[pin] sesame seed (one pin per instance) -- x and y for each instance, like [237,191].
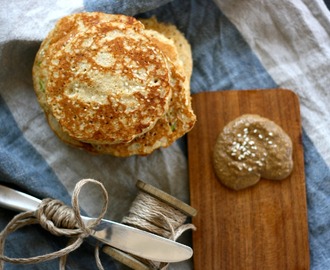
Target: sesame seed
[260,136]
[259,163]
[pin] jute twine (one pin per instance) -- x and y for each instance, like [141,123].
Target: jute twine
[153,215]
[60,220]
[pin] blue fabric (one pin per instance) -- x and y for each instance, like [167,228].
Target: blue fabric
[123,7]
[318,190]
[327,2]
[21,165]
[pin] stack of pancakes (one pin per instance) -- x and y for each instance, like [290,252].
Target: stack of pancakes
[115,85]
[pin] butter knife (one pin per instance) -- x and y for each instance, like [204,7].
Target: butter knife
[128,239]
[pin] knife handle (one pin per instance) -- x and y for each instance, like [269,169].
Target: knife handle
[124,258]
[167,198]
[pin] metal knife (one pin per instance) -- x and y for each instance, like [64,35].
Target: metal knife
[134,241]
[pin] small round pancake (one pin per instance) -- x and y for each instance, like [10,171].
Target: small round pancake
[251,147]
[105,82]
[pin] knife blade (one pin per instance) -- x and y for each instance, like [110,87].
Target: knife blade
[128,239]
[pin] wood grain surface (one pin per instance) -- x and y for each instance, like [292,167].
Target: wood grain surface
[263,227]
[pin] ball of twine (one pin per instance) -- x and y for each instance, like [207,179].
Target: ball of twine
[159,213]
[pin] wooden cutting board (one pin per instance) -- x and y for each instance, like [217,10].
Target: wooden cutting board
[263,227]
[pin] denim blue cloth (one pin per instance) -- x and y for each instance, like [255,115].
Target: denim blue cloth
[222,60]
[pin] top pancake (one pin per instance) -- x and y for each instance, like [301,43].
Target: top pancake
[102,78]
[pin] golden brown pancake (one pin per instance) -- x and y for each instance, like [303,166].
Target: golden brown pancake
[178,117]
[106,82]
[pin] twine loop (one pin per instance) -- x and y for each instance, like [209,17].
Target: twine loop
[60,220]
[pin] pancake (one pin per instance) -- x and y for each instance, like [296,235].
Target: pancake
[65,29]
[63,53]
[103,81]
